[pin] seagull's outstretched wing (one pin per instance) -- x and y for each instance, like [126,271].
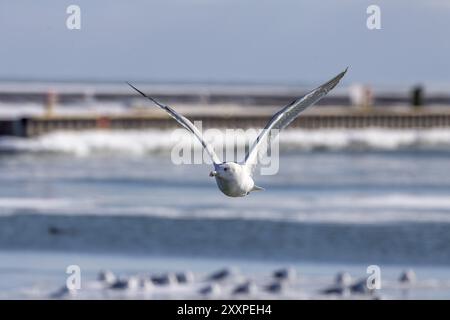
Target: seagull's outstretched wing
[285,116]
[186,123]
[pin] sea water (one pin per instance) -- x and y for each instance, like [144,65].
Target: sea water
[341,201]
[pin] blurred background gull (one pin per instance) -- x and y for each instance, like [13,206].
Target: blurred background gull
[86,176]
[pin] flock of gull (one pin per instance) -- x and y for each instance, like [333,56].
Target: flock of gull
[227,283]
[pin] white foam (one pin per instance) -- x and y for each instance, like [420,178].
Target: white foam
[90,142]
[369,138]
[149,141]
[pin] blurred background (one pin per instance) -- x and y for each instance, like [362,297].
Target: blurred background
[87,178]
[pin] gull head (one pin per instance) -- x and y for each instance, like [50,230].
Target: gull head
[227,171]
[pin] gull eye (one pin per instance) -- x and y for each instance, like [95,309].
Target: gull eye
[225,169]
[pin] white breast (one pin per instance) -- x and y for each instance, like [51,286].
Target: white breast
[239,187]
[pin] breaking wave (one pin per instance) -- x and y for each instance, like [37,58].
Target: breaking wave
[152,141]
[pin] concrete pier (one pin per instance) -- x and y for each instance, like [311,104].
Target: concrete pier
[114,106]
[33,126]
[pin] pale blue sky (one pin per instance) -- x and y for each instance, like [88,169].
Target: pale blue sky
[287,41]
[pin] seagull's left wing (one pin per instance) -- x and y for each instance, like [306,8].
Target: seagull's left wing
[186,123]
[286,115]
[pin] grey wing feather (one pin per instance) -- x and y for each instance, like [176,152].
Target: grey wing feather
[185,122]
[285,116]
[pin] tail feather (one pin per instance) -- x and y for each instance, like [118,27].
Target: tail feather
[256,188]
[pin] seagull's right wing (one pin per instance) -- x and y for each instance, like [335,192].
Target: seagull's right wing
[285,116]
[186,123]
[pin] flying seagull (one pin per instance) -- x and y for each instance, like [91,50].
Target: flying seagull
[235,179]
